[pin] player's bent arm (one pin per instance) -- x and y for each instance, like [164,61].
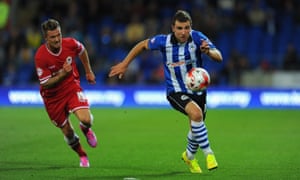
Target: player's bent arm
[85,61]
[51,82]
[215,55]
[90,76]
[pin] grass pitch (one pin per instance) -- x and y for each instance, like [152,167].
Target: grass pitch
[147,144]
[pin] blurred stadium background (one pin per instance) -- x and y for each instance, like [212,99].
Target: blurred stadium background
[260,42]
[259,39]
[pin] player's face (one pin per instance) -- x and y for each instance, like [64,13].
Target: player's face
[53,39]
[182,31]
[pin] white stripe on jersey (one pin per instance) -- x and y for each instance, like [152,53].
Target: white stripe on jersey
[192,49]
[183,69]
[80,45]
[169,60]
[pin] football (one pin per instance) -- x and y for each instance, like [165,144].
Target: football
[197,79]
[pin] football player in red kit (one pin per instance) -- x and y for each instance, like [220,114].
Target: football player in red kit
[60,85]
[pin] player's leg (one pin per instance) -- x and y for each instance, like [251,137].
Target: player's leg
[86,120]
[78,104]
[58,112]
[198,129]
[179,101]
[186,105]
[198,134]
[72,140]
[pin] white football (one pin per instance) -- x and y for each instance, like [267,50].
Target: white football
[197,79]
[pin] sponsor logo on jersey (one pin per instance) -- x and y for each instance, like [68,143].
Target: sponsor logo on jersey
[184,97]
[180,63]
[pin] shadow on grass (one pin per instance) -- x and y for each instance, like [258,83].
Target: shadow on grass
[50,171]
[27,166]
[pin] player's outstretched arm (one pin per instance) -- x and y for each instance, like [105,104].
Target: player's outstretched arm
[120,69]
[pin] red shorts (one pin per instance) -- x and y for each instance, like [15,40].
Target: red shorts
[60,106]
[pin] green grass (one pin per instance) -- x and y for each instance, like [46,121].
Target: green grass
[147,144]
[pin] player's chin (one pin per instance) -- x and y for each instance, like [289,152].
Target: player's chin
[56,45]
[183,39]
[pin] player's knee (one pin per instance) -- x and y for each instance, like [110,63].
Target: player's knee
[72,140]
[67,130]
[86,119]
[194,111]
[196,116]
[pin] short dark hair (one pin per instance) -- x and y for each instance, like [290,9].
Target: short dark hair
[181,16]
[49,25]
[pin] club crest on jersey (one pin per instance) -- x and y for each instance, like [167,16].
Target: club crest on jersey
[69,59]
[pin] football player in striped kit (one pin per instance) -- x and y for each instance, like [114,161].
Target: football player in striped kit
[182,50]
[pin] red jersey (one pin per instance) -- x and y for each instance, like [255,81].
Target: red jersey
[48,64]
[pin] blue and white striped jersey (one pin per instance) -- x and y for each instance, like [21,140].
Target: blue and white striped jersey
[179,58]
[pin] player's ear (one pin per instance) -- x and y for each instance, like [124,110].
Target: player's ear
[173,28]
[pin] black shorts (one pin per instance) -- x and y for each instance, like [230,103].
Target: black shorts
[179,100]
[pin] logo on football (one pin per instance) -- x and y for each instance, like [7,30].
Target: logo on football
[197,79]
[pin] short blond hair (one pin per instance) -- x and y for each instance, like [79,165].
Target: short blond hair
[49,25]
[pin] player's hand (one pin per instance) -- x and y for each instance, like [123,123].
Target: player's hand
[67,67]
[90,77]
[204,47]
[118,69]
